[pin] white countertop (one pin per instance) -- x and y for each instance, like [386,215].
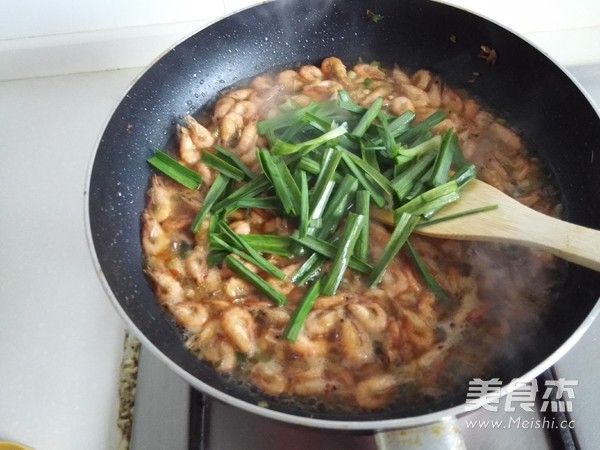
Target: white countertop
[60,339]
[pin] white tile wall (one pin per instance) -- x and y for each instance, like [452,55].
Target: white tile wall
[41,38]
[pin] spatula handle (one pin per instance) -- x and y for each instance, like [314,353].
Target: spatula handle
[572,242]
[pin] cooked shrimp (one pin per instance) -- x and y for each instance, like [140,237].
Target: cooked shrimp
[262,82]
[230,129]
[418,332]
[248,138]
[161,199]
[238,325]
[240,227]
[508,137]
[308,347]
[246,109]
[310,73]
[222,107]
[327,302]
[322,322]
[290,80]
[196,265]
[375,392]
[322,90]
[240,94]
[356,346]
[400,104]
[400,76]
[310,382]
[236,288]
[368,71]
[206,173]
[417,96]
[333,67]
[171,291]
[276,317]
[190,315]
[269,377]
[382,92]
[370,315]
[422,79]
[187,150]
[435,93]
[452,101]
[154,238]
[201,137]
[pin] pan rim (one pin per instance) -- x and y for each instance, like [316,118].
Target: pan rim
[392,423]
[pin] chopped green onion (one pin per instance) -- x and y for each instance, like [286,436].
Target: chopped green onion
[414,134]
[352,230]
[404,227]
[457,215]
[266,243]
[175,170]
[464,175]
[424,200]
[386,136]
[251,189]
[234,160]
[367,119]
[220,165]
[285,187]
[250,203]
[443,160]
[345,102]
[361,250]
[294,326]
[257,259]
[215,192]
[370,186]
[308,269]
[246,274]
[329,163]
[422,148]
[401,123]
[340,202]
[284,148]
[427,276]
[403,183]
[377,177]
[304,205]
[328,250]
[316,216]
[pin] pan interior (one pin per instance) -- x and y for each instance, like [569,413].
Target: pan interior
[523,86]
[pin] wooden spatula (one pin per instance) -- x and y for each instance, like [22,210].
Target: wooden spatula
[511,222]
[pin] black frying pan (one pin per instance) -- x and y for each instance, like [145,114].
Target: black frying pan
[524,86]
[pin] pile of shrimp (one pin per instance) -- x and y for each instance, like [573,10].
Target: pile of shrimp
[359,347]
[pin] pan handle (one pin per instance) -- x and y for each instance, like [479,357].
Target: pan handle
[443,435]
